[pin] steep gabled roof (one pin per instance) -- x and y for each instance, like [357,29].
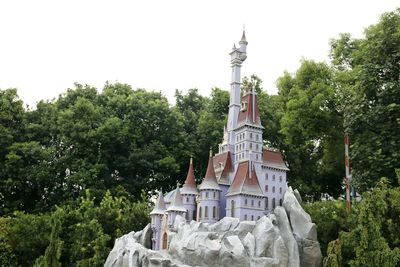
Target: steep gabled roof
[223,159]
[190,187]
[177,202]
[210,180]
[244,183]
[274,159]
[159,208]
[246,114]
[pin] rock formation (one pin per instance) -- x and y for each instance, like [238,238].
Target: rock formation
[287,237]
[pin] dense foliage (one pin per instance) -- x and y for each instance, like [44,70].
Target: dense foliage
[122,145]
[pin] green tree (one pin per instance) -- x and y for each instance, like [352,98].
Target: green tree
[368,71]
[373,237]
[312,126]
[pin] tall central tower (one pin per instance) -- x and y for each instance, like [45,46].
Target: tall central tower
[238,55]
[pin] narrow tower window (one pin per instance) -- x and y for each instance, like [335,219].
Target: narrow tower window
[232,208]
[206,212]
[214,212]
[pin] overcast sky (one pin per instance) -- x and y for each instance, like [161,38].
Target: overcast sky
[46,46]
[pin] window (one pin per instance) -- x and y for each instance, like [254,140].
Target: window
[280,202]
[280,190]
[266,188]
[206,212]
[259,203]
[256,156]
[266,203]
[194,214]
[258,217]
[245,201]
[257,137]
[251,146]
[256,147]
[232,208]
[273,177]
[187,199]
[252,217]
[280,179]
[252,202]
[273,189]
[200,213]
[251,136]
[245,217]
[214,194]
[266,177]
[187,215]
[206,194]
[273,203]
[214,213]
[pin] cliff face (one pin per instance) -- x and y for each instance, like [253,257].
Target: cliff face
[285,238]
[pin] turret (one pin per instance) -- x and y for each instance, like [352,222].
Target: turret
[208,207]
[243,45]
[176,208]
[156,216]
[189,193]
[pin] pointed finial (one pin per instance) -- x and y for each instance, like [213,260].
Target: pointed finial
[234,46]
[210,152]
[191,160]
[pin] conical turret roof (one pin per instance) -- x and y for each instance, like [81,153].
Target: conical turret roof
[210,180]
[159,208]
[243,40]
[190,187]
[177,202]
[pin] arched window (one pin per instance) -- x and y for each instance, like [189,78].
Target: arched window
[266,203]
[245,217]
[214,212]
[245,201]
[200,213]
[251,146]
[251,135]
[207,194]
[252,202]
[273,203]
[280,190]
[266,188]
[259,203]
[273,189]
[273,177]
[232,208]
[280,202]
[206,212]
[266,177]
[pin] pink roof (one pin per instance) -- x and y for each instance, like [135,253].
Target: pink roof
[244,183]
[210,181]
[225,159]
[246,115]
[189,187]
[274,159]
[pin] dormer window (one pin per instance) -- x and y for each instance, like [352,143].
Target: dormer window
[244,106]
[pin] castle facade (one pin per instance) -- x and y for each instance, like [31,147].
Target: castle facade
[245,179]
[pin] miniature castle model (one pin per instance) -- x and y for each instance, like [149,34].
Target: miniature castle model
[244,179]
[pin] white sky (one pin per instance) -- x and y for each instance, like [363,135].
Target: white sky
[46,46]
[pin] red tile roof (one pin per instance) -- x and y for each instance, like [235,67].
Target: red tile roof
[244,183]
[210,181]
[246,115]
[189,187]
[226,161]
[274,159]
